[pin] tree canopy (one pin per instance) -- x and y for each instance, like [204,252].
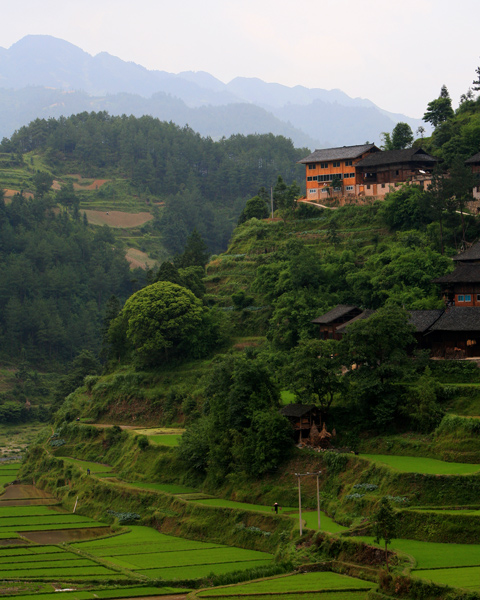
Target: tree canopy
[159,319]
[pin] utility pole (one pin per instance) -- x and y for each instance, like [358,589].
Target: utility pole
[299,475]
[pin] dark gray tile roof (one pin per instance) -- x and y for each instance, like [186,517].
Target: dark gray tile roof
[363,315]
[473,159]
[342,153]
[472,253]
[464,273]
[296,410]
[336,313]
[458,318]
[389,157]
[424,319]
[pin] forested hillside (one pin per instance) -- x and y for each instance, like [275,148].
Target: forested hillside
[202,183]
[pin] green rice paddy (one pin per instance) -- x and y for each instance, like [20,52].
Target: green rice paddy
[155,555]
[85,464]
[427,466]
[464,577]
[326,595]
[305,582]
[105,594]
[165,439]
[169,488]
[310,518]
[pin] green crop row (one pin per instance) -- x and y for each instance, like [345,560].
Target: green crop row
[192,557]
[326,595]
[55,573]
[199,571]
[103,594]
[147,549]
[47,565]
[52,518]
[169,488]
[35,558]
[23,511]
[305,582]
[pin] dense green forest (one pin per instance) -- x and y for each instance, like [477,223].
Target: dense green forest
[204,184]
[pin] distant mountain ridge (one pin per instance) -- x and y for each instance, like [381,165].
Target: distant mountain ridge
[310,117]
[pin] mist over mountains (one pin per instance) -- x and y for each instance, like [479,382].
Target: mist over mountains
[42,76]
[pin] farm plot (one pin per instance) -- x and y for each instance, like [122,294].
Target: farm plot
[462,577]
[85,464]
[430,555]
[326,595]
[156,555]
[169,488]
[165,439]
[427,466]
[306,582]
[106,594]
[48,562]
[309,517]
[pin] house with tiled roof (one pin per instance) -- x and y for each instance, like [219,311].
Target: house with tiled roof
[452,332]
[364,171]
[332,170]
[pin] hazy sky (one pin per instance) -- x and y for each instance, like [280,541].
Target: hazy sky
[397,53]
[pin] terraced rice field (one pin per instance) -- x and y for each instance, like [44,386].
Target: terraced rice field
[305,582]
[105,594]
[310,518]
[427,466]
[462,577]
[85,464]
[49,562]
[165,439]
[169,488]
[325,595]
[152,554]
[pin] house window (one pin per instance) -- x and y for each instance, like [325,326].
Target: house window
[309,178]
[397,172]
[468,298]
[312,165]
[478,297]
[336,163]
[348,163]
[461,298]
[349,188]
[324,165]
[383,185]
[312,191]
[368,186]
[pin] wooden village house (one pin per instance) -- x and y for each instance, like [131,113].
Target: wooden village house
[452,332]
[364,171]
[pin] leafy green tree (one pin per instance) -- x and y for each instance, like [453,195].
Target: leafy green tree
[241,430]
[440,109]
[376,348]
[315,372]
[67,197]
[42,182]
[195,253]
[168,272]
[402,136]
[421,406]
[385,525]
[256,208]
[159,320]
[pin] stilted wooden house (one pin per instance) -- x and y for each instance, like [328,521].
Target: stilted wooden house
[302,418]
[331,320]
